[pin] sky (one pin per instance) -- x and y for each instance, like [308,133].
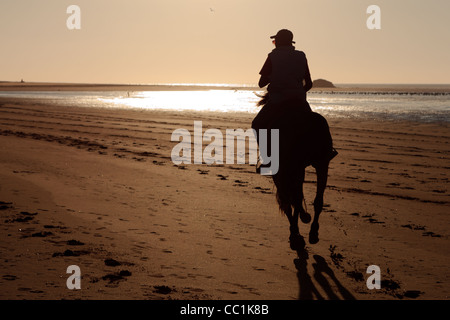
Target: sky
[222,41]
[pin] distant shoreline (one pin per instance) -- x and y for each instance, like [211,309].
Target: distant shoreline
[340,88]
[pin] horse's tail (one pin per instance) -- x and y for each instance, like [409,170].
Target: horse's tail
[283,201]
[264,99]
[289,184]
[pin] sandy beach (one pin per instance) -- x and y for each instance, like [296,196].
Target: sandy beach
[97,188]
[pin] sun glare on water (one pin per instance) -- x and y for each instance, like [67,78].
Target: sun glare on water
[201,100]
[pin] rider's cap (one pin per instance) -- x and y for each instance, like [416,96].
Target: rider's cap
[283,36]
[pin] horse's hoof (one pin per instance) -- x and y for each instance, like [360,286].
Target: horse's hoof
[296,242]
[305,217]
[314,233]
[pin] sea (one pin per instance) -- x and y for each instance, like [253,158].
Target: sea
[418,103]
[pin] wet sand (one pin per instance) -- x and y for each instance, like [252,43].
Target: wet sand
[98,189]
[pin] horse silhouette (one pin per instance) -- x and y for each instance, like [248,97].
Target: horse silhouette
[304,140]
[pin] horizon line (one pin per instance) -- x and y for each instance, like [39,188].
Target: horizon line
[200,84]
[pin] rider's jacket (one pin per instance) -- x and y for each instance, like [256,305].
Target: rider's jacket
[286,69]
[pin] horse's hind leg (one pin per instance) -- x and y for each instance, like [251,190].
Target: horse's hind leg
[284,196]
[322,176]
[298,197]
[296,241]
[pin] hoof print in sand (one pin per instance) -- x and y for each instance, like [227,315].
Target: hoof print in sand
[74,243]
[70,253]
[240,183]
[9,277]
[263,190]
[24,217]
[412,294]
[112,263]
[163,289]
[5,205]
[42,234]
[114,277]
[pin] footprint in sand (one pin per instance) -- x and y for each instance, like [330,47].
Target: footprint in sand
[42,234]
[49,226]
[114,277]
[369,217]
[422,228]
[70,253]
[9,277]
[24,217]
[355,275]
[431,234]
[263,190]
[74,243]
[163,289]
[5,205]
[239,183]
[413,227]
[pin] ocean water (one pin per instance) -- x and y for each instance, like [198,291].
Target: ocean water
[385,106]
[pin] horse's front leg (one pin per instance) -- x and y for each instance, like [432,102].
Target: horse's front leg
[322,177]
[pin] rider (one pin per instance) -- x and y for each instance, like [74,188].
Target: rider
[287,74]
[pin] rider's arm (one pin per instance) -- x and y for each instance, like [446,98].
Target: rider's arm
[265,72]
[307,79]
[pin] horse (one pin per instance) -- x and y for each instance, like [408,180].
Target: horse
[304,140]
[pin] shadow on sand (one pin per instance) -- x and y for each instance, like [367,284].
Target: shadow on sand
[322,272]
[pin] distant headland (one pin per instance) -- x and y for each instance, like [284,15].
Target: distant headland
[322,83]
